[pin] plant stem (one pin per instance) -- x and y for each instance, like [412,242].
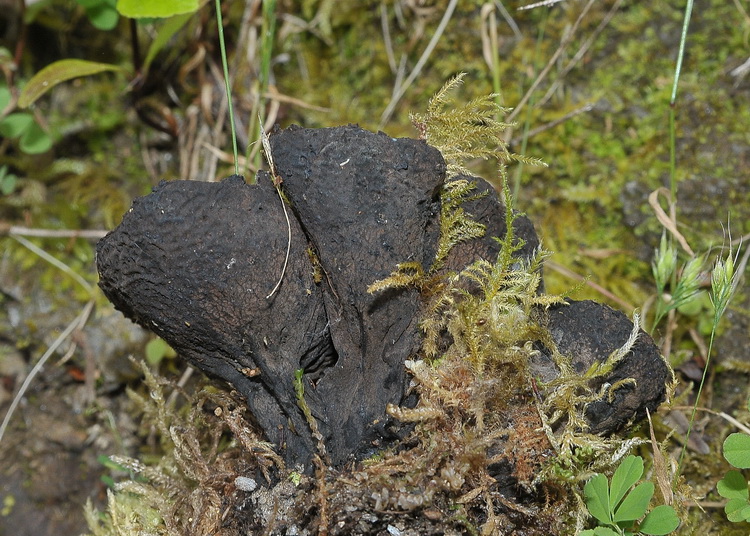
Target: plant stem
[230,108]
[673,101]
[673,191]
[697,400]
[527,120]
[268,31]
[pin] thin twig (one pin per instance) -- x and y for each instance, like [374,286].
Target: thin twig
[182,382]
[544,3]
[227,158]
[581,52]
[273,94]
[277,183]
[420,64]
[669,223]
[721,414]
[533,132]
[54,262]
[509,19]
[60,339]
[387,37]
[74,344]
[89,234]
[600,289]
[288,245]
[565,42]
[148,161]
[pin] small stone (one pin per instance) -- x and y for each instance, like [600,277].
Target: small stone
[245,484]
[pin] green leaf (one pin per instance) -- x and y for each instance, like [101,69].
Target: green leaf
[745,512]
[626,475]
[733,486]
[604,531]
[596,492]
[13,125]
[58,72]
[635,504]
[138,9]
[35,140]
[598,531]
[737,450]
[4,97]
[103,15]
[170,27]
[659,521]
[735,510]
[156,350]
[7,181]
[107,462]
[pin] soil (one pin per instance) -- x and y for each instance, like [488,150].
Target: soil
[50,457]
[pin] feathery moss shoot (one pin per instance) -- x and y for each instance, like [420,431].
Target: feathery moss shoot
[478,400]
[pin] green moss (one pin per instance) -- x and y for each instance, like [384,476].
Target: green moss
[180,489]
[476,392]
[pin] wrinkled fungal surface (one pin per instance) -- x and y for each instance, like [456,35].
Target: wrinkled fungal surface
[195,262]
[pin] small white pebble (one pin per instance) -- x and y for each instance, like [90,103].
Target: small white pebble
[245,484]
[393,530]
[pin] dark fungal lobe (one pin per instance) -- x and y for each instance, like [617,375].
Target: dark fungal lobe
[195,262]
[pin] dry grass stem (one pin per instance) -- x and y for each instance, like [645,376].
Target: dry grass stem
[669,223]
[567,272]
[533,132]
[226,158]
[88,234]
[544,3]
[585,46]
[401,89]
[274,95]
[75,324]
[552,61]
[277,183]
[387,37]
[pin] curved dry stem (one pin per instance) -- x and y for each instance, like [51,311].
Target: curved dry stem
[277,183]
[77,323]
[420,64]
[552,61]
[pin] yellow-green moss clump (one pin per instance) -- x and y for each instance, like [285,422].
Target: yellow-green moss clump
[480,409]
